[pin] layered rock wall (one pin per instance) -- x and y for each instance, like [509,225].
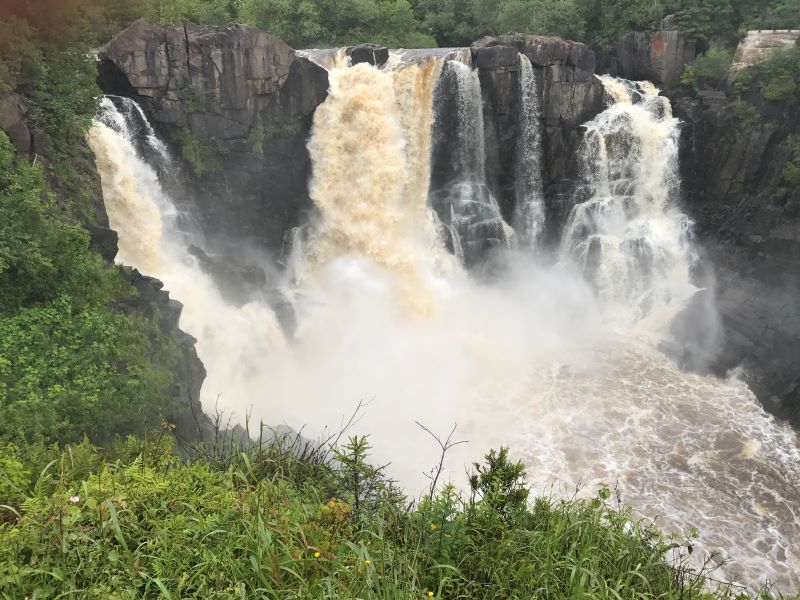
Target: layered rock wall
[758,44]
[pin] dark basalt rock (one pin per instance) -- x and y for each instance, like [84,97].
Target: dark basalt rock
[569,95]
[368,53]
[12,121]
[656,55]
[152,301]
[748,219]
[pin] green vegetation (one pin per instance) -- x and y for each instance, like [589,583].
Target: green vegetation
[778,75]
[70,365]
[280,520]
[203,156]
[708,70]
[791,170]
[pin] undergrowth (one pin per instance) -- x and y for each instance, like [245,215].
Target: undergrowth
[284,518]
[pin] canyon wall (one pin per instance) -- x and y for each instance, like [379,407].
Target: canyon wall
[747,214]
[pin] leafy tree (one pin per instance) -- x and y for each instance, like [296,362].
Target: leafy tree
[450,22]
[320,23]
[706,19]
[543,17]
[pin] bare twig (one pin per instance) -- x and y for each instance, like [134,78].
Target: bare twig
[445,445]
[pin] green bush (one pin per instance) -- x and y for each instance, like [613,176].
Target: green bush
[42,254]
[708,70]
[66,373]
[791,170]
[202,156]
[778,75]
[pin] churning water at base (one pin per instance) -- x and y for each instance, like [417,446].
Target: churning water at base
[539,360]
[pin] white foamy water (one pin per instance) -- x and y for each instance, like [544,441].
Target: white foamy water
[557,362]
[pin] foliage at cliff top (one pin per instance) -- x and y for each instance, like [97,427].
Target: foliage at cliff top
[398,23]
[279,520]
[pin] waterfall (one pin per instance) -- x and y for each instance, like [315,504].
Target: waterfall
[529,218]
[628,238]
[371,152]
[469,217]
[231,341]
[560,363]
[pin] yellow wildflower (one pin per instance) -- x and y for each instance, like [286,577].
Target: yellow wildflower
[316,554]
[430,594]
[434,526]
[368,562]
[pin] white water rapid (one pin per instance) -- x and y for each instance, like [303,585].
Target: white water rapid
[559,363]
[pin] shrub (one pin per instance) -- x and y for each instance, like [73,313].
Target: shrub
[778,74]
[708,70]
[202,156]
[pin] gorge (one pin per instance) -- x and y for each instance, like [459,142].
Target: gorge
[495,237]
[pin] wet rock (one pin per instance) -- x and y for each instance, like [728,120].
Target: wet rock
[569,95]
[747,217]
[368,53]
[152,301]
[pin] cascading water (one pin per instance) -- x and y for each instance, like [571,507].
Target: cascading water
[539,359]
[529,217]
[469,216]
[230,340]
[628,238]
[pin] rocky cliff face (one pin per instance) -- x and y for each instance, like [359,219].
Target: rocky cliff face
[748,219]
[570,95]
[237,103]
[655,55]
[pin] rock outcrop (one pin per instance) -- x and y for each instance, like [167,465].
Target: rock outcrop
[569,95]
[747,216]
[758,44]
[237,103]
[368,53]
[655,55]
[13,122]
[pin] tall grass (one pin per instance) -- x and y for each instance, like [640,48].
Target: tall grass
[286,519]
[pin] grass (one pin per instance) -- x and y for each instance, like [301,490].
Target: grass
[278,519]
